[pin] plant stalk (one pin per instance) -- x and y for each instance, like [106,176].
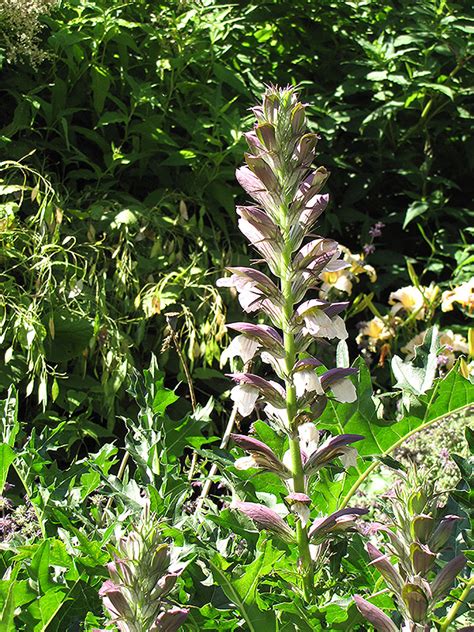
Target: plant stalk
[299,484]
[451,616]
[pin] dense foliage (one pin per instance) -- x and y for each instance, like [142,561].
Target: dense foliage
[120,132]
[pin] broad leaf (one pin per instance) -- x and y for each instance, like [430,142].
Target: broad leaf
[417,376]
[449,395]
[243,590]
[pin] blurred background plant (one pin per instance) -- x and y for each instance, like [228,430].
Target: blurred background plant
[20,30]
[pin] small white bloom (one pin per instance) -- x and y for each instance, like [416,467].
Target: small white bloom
[307,382]
[279,416]
[309,438]
[302,511]
[245,463]
[249,299]
[241,346]
[317,323]
[277,364]
[349,458]
[245,396]
[344,391]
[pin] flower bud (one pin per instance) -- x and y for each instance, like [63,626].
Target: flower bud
[305,149]
[298,118]
[416,602]
[341,520]
[266,135]
[260,456]
[443,532]
[266,518]
[422,558]
[417,501]
[387,570]
[114,600]
[422,527]
[271,106]
[263,171]
[170,620]
[375,616]
[444,579]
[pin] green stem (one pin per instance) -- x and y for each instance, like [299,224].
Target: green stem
[299,484]
[450,617]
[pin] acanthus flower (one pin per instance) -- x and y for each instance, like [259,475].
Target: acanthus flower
[261,456]
[256,291]
[321,320]
[280,179]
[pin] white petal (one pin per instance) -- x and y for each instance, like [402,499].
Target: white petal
[309,437]
[340,328]
[307,382]
[336,264]
[318,323]
[279,416]
[245,396]
[245,463]
[286,460]
[277,364]
[249,300]
[241,346]
[302,511]
[349,458]
[344,391]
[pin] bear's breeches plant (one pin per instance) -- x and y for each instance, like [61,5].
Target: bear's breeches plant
[285,190]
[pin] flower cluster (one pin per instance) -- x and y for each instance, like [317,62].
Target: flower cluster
[374,233]
[462,294]
[416,539]
[20,28]
[142,575]
[411,306]
[286,203]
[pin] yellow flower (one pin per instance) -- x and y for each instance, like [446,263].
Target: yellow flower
[463,294]
[376,331]
[342,280]
[413,299]
[339,279]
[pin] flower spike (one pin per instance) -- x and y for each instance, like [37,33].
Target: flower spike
[286,202]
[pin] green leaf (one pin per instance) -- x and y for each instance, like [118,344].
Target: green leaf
[438,87]
[39,567]
[49,605]
[71,336]
[100,86]
[451,394]
[7,456]
[242,591]
[418,375]
[415,209]
[14,593]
